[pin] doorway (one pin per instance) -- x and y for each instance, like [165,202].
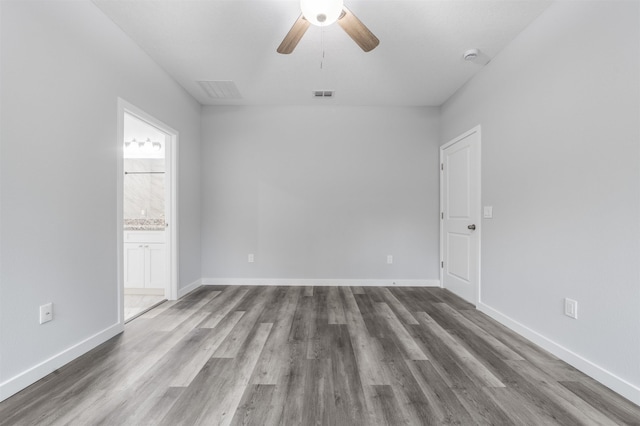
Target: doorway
[147,263]
[460,205]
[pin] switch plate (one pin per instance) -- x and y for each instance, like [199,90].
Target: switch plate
[251,258]
[571,308]
[46,313]
[488,212]
[389,259]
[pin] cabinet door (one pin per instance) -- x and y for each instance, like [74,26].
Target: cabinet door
[156,270]
[134,265]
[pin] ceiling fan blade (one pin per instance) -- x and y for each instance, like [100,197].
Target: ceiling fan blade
[357,30]
[293,36]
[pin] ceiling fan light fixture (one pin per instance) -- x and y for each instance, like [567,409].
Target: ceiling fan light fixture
[321,12]
[322,17]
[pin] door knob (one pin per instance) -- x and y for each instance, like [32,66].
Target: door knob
[472,227]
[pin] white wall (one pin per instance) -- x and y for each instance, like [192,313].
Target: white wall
[560,116]
[320,193]
[64,64]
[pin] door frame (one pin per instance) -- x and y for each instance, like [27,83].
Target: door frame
[171,200]
[477,202]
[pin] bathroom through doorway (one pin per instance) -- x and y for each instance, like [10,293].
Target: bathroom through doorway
[147,194]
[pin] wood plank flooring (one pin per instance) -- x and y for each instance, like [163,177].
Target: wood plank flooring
[317,356]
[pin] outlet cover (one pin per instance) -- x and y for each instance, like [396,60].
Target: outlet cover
[389,259]
[571,308]
[251,258]
[46,313]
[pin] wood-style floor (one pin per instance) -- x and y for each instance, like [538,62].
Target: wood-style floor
[317,355]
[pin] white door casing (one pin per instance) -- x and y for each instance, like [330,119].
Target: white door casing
[460,206]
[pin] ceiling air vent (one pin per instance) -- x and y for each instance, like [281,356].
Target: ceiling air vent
[323,93]
[221,89]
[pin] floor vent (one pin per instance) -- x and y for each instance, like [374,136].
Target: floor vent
[221,89]
[323,93]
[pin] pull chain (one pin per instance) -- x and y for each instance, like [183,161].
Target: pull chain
[322,46]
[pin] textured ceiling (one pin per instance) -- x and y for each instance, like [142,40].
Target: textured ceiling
[418,62]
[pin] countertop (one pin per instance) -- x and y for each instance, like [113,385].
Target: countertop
[144,225]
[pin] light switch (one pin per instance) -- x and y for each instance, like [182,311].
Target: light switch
[571,308]
[488,212]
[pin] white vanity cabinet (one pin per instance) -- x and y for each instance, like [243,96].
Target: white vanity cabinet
[144,260]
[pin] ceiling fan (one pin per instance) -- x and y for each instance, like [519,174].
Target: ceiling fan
[323,13]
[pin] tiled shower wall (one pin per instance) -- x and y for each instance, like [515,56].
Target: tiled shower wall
[144,193]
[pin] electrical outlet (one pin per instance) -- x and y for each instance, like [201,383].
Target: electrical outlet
[389,259]
[46,313]
[571,308]
[251,258]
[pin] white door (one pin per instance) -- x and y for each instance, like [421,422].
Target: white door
[460,215]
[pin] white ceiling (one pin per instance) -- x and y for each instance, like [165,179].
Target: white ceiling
[418,62]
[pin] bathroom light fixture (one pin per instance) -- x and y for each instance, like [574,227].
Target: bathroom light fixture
[147,146]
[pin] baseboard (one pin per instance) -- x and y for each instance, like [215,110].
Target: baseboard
[189,288]
[33,374]
[613,382]
[321,282]
[145,291]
